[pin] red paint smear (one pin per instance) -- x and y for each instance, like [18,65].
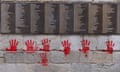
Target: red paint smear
[66,44]
[44,60]
[85,47]
[13,45]
[30,46]
[109,45]
[46,45]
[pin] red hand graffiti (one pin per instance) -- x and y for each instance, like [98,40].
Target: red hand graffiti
[109,45]
[30,46]
[13,45]
[44,60]
[66,44]
[85,47]
[46,45]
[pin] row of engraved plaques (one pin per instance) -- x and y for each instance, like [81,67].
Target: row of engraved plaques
[59,18]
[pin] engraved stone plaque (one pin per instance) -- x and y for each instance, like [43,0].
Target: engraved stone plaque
[66,18]
[109,18]
[37,18]
[95,18]
[0,17]
[22,18]
[118,18]
[51,18]
[81,18]
[7,17]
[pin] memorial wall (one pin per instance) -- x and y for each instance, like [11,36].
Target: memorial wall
[59,18]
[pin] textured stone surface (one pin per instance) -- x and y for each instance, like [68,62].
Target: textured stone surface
[76,61]
[102,57]
[49,68]
[73,57]
[116,40]
[101,43]
[14,57]
[57,57]
[81,67]
[31,58]
[84,59]
[116,57]
[105,0]
[105,67]
[2,60]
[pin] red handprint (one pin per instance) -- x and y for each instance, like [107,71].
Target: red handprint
[30,46]
[13,45]
[109,45]
[66,44]
[44,60]
[85,47]
[46,45]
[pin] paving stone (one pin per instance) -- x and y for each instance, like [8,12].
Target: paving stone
[14,57]
[29,67]
[102,57]
[53,68]
[3,67]
[105,0]
[105,68]
[10,57]
[81,0]
[73,57]
[2,53]
[57,57]
[116,57]
[31,58]
[81,67]
[2,60]
[14,68]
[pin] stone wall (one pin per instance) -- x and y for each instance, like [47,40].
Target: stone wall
[98,58]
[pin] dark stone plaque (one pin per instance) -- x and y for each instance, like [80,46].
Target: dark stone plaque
[109,18]
[0,17]
[81,18]
[66,18]
[7,17]
[23,18]
[51,18]
[95,18]
[118,18]
[37,18]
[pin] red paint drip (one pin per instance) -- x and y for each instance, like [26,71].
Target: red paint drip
[46,45]
[66,44]
[109,45]
[44,60]
[13,45]
[85,47]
